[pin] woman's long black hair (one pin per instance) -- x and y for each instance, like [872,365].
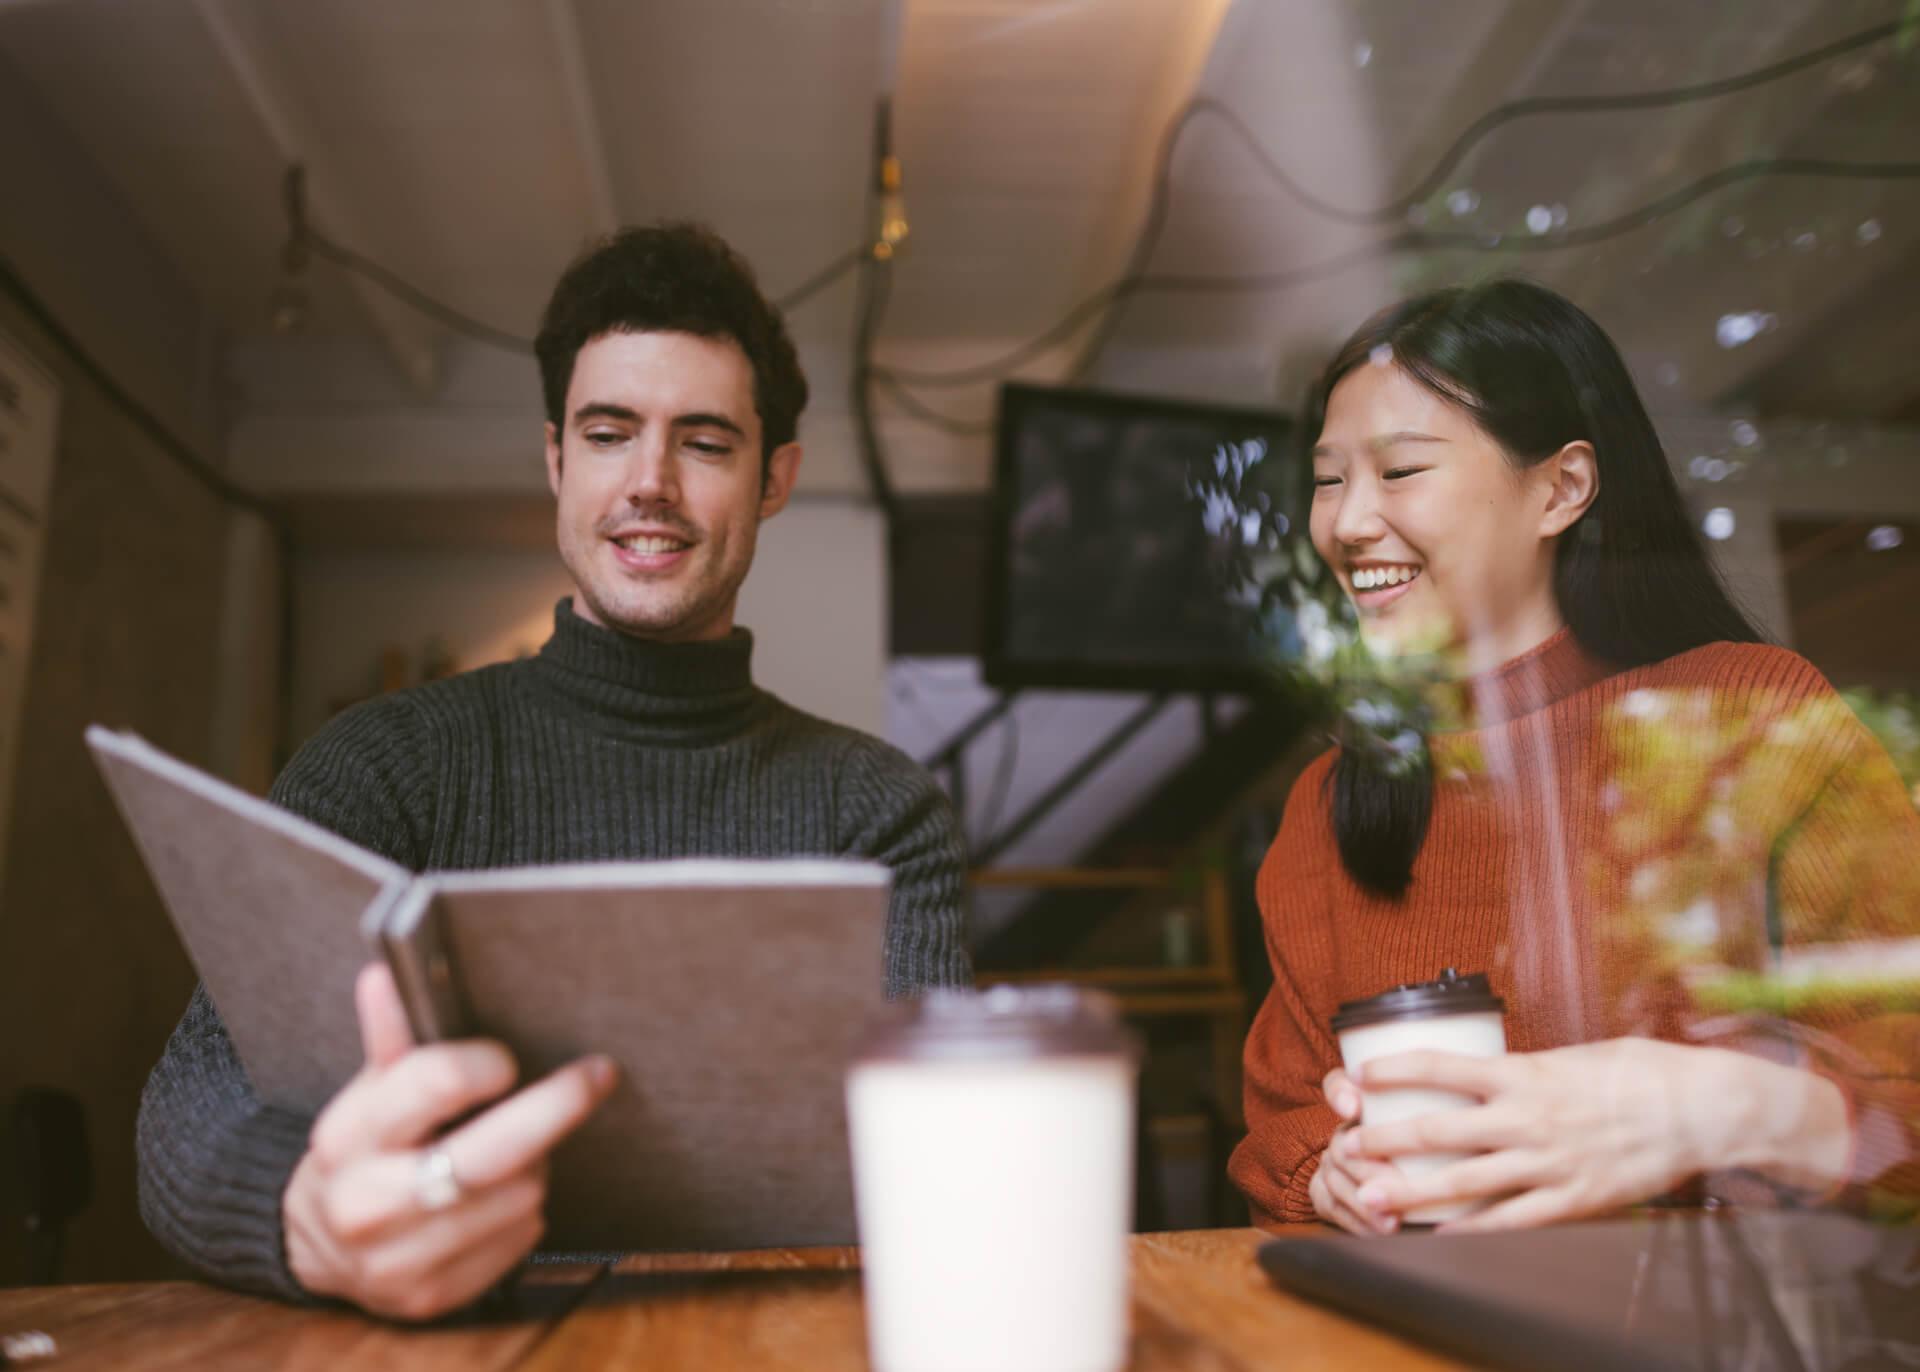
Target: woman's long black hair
[1631,577]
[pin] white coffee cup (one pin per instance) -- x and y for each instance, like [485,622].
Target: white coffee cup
[1452,1014]
[993,1181]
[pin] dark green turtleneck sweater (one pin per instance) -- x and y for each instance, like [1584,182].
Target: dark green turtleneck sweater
[602,747]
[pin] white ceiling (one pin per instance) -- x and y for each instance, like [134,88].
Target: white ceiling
[473,145]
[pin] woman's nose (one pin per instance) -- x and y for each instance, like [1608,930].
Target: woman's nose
[1357,520]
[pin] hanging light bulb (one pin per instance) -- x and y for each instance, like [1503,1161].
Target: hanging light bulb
[890,227]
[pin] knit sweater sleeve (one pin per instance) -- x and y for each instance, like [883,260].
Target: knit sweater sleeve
[213,1159]
[1289,1049]
[887,808]
[1845,888]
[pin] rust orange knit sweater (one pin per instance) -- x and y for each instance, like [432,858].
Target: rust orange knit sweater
[1705,849]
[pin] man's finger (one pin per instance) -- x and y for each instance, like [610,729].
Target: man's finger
[1441,1071]
[411,1099]
[469,1275]
[447,1259]
[375,1204]
[385,1035]
[524,1128]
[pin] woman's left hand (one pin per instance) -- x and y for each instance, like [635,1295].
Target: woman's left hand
[1577,1131]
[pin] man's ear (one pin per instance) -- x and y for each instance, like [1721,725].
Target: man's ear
[554,460]
[1575,473]
[783,469]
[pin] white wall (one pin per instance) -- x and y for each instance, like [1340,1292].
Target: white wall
[815,600]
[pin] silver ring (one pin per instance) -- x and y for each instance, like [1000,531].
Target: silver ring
[435,1187]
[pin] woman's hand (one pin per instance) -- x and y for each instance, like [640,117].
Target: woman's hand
[1577,1131]
[1336,1183]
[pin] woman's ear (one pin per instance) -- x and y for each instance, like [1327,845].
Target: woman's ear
[1575,475]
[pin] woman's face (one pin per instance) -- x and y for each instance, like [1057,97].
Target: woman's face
[1439,540]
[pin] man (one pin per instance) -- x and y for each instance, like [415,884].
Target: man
[672,398]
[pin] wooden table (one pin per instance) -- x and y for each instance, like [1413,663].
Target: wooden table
[1199,1302]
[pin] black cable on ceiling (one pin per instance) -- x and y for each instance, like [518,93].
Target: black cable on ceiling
[1160,198]
[1412,240]
[875,290]
[402,289]
[1134,279]
[918,409]
[1515,110]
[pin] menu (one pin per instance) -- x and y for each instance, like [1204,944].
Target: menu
[29,411]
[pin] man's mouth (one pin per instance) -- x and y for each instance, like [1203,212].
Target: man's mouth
[652,544]
[650,550]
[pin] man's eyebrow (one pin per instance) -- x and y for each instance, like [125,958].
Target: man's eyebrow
[705,419]
[601,409]
[698,419]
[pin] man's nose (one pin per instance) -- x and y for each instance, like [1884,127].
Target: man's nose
[653,475]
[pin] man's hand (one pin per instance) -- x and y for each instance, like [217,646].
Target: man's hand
[1336,1183]
[1579,1131]
[358,1226]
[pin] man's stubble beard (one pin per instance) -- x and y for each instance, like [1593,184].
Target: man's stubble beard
[660,612]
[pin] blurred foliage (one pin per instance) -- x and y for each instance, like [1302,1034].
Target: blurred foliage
[1893,717]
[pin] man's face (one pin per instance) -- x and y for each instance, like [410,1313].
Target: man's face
[658,477]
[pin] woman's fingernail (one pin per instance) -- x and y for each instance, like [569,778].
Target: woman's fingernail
[1348,1103]
[602,1071]
[1373,1196]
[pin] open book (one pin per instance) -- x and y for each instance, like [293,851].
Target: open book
[729,991]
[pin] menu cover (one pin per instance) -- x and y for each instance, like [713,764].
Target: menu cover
[729,991]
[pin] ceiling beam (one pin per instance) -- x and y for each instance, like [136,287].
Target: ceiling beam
[583,112]
[408,339]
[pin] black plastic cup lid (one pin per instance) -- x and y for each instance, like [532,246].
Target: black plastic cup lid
[1448,994]
[1001,1024]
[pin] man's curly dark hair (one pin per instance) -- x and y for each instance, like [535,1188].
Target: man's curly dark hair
[672,278]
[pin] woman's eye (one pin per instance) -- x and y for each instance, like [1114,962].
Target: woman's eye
[1397,472]
[1320,483]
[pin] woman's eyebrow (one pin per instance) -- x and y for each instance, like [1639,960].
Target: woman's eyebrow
[1380,441]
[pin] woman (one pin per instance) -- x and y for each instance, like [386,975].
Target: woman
[1646,824]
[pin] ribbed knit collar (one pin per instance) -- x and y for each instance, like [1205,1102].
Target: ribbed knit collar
[1558,668]
[694,691]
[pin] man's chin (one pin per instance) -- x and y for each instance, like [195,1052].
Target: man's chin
[672,621]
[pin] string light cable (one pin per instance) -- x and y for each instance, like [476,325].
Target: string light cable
[304,237]
[1105,300]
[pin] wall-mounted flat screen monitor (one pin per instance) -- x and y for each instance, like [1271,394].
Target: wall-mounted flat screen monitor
[1120,533]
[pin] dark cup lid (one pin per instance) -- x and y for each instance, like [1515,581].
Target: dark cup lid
[1448,994]
[1000,1024]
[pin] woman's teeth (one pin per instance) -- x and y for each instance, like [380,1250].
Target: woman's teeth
[645,544]
[1378,578]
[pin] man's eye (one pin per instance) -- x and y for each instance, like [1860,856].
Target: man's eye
[709,448]
[604,438]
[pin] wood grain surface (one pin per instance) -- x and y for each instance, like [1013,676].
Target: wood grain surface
[1200,1304]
